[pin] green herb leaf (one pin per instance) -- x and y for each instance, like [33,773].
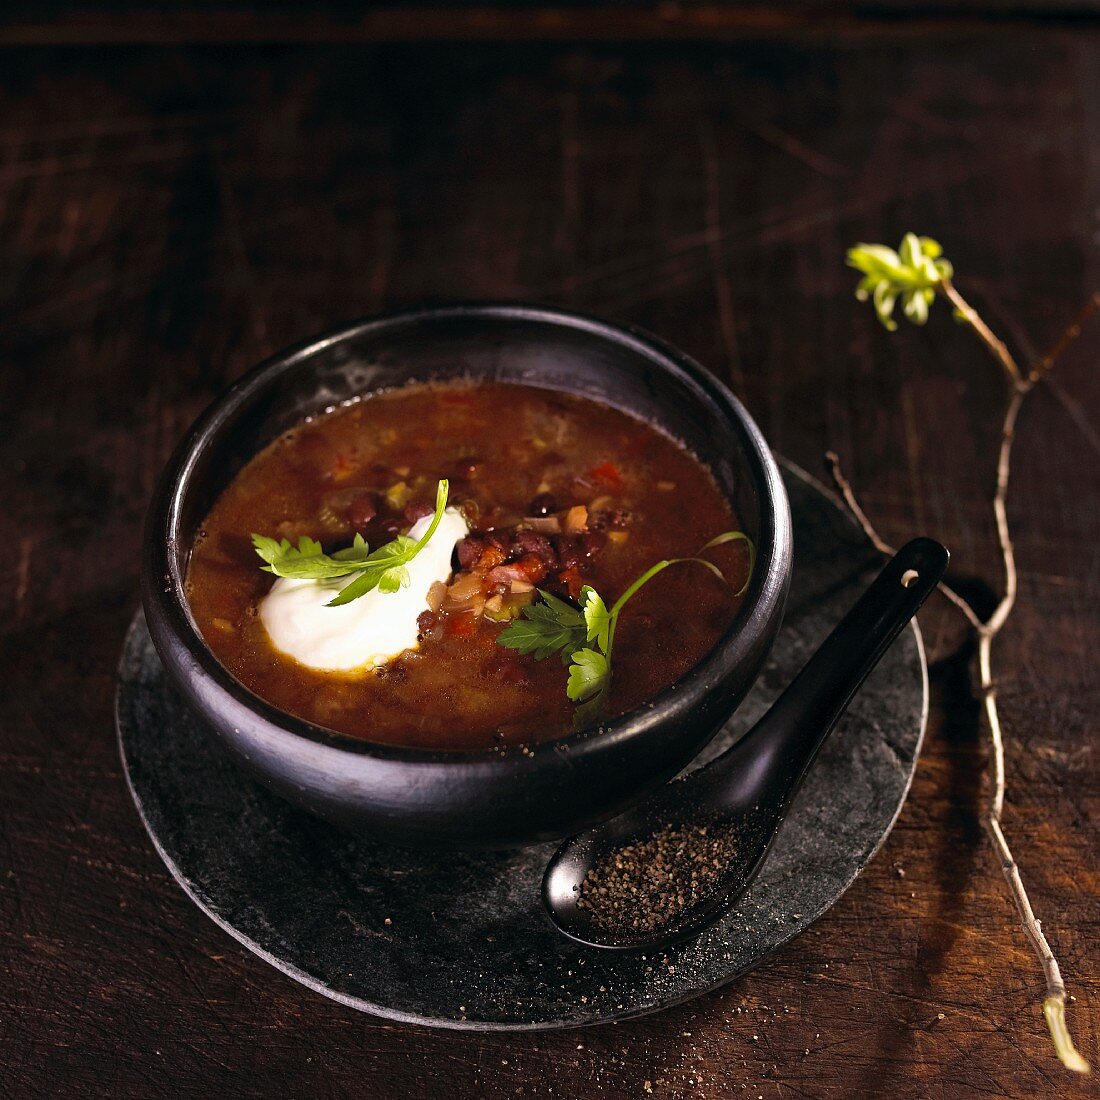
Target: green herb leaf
[357,551]
[385,569]
[308,561]
[543,629]
[596,617]
[558,610]
[913,274]
[735,536]
[589,673]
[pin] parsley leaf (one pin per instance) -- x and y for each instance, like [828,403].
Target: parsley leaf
[588,675]
[308,561]
[546,628]
[385,569]
[596,617]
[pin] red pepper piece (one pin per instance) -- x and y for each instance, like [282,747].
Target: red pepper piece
[608,473]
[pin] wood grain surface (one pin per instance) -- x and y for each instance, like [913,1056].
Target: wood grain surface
[95,22]
[169,216]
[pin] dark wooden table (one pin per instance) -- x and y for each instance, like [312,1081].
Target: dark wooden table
[172,213]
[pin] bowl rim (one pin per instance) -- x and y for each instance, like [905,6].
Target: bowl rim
[764,600]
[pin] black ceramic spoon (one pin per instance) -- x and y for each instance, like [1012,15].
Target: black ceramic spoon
[744,794]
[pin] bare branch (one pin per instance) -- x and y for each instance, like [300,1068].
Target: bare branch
[842,483]
[1055,1000]
[996,346]
[1054,1003]
[1000,512]
[1069,334]
[845,489]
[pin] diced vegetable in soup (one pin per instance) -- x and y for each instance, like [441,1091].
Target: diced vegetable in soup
[467,566]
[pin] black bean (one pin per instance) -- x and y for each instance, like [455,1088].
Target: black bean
[569,555]
[531,542]
[469,551]
[362,509]
[543,505]
[592,542]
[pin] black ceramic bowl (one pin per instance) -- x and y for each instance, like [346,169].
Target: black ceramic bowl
[470,799]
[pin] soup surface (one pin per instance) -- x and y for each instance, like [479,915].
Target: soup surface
[557,491]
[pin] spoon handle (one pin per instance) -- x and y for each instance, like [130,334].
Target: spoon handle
[789,735]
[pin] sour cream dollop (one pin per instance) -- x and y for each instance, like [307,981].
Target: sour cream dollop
[371,630]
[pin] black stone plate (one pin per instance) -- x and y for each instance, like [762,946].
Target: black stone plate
[460,941]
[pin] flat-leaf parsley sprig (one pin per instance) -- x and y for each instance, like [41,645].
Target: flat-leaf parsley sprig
[384,569]
[584,636]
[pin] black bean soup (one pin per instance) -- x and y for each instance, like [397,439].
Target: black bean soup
[558,492]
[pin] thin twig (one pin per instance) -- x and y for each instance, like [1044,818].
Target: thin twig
[970,315]
[1019,386]
[1069,334]
[880,544]
[1054,1004]
[1000,511]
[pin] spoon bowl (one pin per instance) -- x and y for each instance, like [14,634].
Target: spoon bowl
[741,798]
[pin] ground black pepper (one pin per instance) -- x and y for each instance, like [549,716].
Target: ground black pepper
[643,886]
